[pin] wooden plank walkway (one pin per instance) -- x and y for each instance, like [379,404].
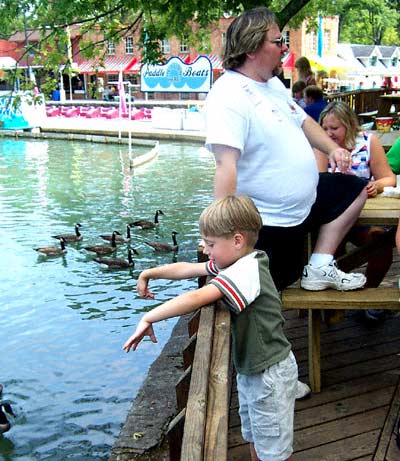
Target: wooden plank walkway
[353,416]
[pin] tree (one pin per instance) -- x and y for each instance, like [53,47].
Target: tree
[156,19]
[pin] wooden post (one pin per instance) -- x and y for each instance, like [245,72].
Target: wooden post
[314,349]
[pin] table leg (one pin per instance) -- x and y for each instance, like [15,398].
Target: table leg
[314,349]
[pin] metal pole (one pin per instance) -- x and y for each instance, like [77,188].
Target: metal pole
[130,122]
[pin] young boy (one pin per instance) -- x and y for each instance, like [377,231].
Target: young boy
[266,367]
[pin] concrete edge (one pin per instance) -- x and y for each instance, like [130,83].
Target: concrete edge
[143,433]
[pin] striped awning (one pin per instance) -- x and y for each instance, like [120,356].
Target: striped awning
[132,64]
[110,65]
[216,61]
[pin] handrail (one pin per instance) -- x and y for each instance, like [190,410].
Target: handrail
[200,431]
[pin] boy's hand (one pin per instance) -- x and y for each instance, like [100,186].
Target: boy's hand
[143,329]
[142,287]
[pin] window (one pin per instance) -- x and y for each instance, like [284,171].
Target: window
[373,60]
[286,36]
[327,40]
[110,47]
[223,39]
[129,45]
[165,46]
[394,61]
[312,41]
[184,47]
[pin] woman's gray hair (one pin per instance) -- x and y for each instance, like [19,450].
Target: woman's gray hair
[245,35]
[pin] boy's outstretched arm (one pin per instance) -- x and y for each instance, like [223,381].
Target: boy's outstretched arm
[182,304]
[176,271]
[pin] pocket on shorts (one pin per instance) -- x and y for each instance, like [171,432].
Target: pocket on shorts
[264,409]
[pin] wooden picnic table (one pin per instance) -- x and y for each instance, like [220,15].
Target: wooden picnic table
[387,139]
[381,211]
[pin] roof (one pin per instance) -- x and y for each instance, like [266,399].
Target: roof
[362,51]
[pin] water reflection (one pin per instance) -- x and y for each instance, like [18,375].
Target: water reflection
[64,319]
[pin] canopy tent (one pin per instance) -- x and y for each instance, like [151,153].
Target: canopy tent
[330,63]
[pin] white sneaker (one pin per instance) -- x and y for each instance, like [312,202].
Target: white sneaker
[303,390]
[330,276]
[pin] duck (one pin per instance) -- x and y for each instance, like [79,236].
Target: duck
[160,246]
[53,251]
[5,412]
[118,237]
[145,224]
[119,263]
[104,249]
[71,237]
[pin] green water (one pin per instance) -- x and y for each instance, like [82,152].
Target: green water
[63,320]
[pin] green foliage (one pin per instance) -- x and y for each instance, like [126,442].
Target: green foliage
[361,21]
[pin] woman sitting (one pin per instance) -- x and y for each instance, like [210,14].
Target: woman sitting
[369,161]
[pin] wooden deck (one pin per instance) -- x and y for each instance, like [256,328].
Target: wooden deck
[353,416]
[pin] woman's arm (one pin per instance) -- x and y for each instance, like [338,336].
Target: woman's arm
[380,169]
[183,304]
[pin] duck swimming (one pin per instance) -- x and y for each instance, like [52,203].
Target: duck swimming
[119,238]
[104,249]
[160,246]
[71,237]
[53,251]
[119,263]
[5,413]
[145,224]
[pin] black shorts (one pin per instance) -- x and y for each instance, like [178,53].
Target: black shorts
[285,245]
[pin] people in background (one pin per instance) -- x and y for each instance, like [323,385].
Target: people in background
[368,161]
[110,92]
[303,67]
[314,100]
[297,93]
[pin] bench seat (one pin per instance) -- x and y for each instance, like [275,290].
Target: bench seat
[315,301]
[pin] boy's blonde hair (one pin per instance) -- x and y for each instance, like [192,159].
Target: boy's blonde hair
[231,214]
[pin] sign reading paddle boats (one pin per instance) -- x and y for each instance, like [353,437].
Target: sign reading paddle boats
[177,76]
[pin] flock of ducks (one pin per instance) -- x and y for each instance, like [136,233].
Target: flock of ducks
[5,413]
[114,239]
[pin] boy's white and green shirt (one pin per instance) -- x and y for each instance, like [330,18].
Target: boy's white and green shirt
[255,305]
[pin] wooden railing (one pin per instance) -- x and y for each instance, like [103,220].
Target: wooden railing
[199,432]
[360,100]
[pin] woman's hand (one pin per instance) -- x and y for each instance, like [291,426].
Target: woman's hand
[372,189]
[143,329]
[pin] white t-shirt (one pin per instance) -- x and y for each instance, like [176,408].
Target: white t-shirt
[277,167]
